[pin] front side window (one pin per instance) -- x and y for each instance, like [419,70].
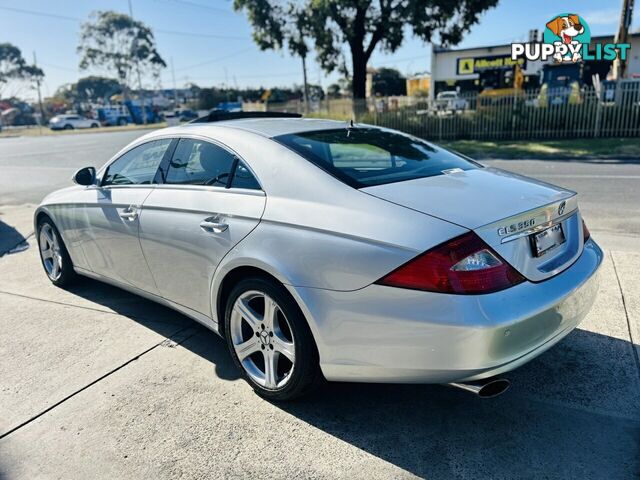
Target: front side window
[138,166]
[196,162]
[363,157]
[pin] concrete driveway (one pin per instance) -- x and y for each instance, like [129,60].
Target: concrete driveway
[98,383]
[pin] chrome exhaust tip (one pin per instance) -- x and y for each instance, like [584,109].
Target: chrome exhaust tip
[484,388]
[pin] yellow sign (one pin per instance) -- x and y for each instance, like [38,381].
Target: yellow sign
[465,66]
[469,66]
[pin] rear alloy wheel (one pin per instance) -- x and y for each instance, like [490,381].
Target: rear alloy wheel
[55,258]
[270,340]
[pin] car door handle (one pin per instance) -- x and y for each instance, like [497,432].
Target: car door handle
[129,213]
[213,225]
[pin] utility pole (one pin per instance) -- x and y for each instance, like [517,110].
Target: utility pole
[175,90]
[140,95]
[306,84]
[619,67]
[35,64]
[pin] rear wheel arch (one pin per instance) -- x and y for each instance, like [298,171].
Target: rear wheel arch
[229,281]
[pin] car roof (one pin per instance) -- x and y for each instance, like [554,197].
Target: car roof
[272,127]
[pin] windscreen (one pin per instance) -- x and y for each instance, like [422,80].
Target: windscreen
[363,157]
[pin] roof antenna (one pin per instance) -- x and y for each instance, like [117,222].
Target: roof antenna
[350,127]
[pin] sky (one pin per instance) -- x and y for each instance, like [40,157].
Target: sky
[210,44]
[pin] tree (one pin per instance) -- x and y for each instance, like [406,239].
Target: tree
[272,33]
[94,88]
[13,67]
[334,91]
[88,89]
[362,25]
[389,81]
[117,43]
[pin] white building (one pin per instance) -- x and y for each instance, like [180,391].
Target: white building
[480,68]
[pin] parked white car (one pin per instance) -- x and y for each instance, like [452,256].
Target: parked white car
[69,122]
[450,101]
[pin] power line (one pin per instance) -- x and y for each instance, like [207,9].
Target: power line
[40,14]
[399,60]
[198,5]
[158,30]
[207,77]
[59,67]
[200,35]
[209,62]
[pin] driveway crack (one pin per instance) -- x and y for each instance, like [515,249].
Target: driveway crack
[188,333]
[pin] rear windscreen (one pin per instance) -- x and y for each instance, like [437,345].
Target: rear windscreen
[363,157]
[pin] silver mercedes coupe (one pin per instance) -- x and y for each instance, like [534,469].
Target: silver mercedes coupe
[326,250]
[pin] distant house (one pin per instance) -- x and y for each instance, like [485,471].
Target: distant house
[419,83]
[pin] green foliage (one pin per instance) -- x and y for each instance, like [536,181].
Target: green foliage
[334,91]
[277,25]
[362,25]
[115,42]
[209,98]
[88,89]
[389,81]
[14,67]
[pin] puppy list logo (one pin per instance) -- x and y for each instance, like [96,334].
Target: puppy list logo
[567,39]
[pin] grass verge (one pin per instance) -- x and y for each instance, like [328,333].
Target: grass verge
[614,148]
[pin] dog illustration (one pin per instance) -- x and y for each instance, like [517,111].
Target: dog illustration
[566,28]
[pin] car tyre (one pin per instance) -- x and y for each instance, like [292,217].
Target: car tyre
[122,122]
[94,125]
[272,346]
[54,256]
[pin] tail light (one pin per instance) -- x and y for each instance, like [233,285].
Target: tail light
[464,265]
[585,232]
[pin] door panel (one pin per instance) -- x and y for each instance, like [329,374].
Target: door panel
[183,255]
[114,213]
[114,219]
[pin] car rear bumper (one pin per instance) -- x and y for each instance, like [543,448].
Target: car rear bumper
[386,334]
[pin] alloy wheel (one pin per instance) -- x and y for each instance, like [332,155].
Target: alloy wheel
[50,251]
[262,339]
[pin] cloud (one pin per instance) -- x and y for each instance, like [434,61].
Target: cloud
[609,16]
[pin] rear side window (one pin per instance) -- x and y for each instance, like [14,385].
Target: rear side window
[363,157]
[243,178]
[138,166]
[196,162]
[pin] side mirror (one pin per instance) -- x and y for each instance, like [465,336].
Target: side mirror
[85,176]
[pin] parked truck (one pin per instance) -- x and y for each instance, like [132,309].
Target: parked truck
[130,111]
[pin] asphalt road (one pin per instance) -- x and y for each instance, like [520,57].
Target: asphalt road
[31,167]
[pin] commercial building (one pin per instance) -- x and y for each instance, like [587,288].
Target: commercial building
[482,68]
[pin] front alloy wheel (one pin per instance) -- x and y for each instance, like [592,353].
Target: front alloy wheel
[53,253]
[270,340]
[50,252]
